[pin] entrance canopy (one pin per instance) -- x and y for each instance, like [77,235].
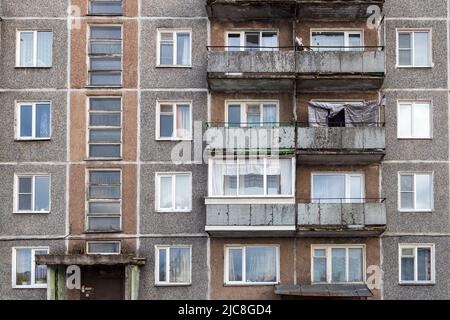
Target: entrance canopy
[89,260]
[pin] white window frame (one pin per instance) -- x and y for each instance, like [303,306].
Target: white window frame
[244,110]
[174,112]
[33,201]
[172,175]
[414,173]
[347,176]
[412,103]
[104,254]
[346,32]
[33,285]
[416,246]
[33,104]
[430,47]
[89,127]
[174,32]
[293,177]
[88,200]
[35,46]
[168,282]
[328,255]
[244,276]
[242,38]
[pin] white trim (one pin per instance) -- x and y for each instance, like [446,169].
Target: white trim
[175,115]
[33,186]
[174,32]
[345,31]
[33,285]
[172,175]
[414,192]
[243,31]
[104,242]
[18,113]
[168,282]
[412,31]
[415,246]
[412,103]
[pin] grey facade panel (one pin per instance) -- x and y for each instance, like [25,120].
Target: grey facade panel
[415,8]
[12,149]
[42,224]
[34,8]
[174,8]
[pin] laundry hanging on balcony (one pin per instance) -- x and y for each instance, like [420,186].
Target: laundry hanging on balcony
[325,114]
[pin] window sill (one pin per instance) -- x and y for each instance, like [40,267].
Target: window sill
[31,139]
[173,139]
[103,159]
[104,15]
[104,86]
[174,66]
[31,212]
[45,68]
[413,138]
[102,232]
[173,211]
[250,284]
[417,284]
[173,284]
[30,287]
[414,67]
[416,211]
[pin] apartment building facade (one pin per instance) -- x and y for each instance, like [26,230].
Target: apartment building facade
[224,149]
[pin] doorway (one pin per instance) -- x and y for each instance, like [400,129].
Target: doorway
[102,283]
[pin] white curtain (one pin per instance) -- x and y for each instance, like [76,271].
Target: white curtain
[26,49]
[180,265]
[183,48]
[182,192]
[43,120]
[220,170]
[44,49]
[261,264]
[23,266]
[269,115]
[251,177]
[183,121]
[328,188]
[235,265]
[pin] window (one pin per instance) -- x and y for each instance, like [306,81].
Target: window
[336,40]
[416,191]
[104,201]
[34,120]
[34,49]
[174,48]
[338,264]
[252,114]
[338,187]
[174,192]
[416,263]
[26,274]
[103,247]
[173,265]
[105,7]
[251,177]
[105,132]
[105,56]
[252,265]
[252,41]
[32,194]
[175,121]
[414,120]
[414,49]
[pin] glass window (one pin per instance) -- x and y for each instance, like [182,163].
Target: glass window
[106,247]
[105,56]
[414,49]
[414,120]
[174,192]
[35,49]
[174,48]
[174,265]
[416,263]
[34,120]
[337,40]
[105,128]
[33,193]
[252,264]
[104,201]
[27,272]
[105,7]
[337,188]
[175,121]
[252,41]
[255,114]
[416,192]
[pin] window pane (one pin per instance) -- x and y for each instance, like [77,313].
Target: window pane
[405,57]
[106,78]
[234,115]
[42,121]
[235,265]
[104,223]
[166,126]
[105,47]
[354,40]
[44,48]
[329,188]
[104,151]
[180,265]
[40,271]
[26,118]
[103,247]
[183,121]
[108,64]
[183,48]
[253,114]
[407,183]
[261,264]
[251,177]
[106,7]
[270,40]
[234,41]
[330,41]
[355,265]
[25,184]
[252,41]
[165,193]
[404,40]
[273,185]
[338,265]
[23,267]
[182,192]
[422,120]
[25,202]
[104,135]
[269,114]
[423,191]
[407,269]
[104,207]
[404,121]
[356,189]
[423,264]
[162,265]
[26,49]
[42,194]
[407,200]
[166,55]
[104,177]
[421,52]
[104,192]
[99,119]
[320,270]
[106,32]
[105,104]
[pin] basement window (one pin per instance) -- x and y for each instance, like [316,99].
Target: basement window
[414,48]
[105,7]
[416,264]
[33,121]
[103,247]
[173,265]
[32,193]
[34,49]
[252,41]
[26,273]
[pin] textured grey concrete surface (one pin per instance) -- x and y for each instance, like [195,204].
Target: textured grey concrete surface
[34,8]
[174,8]
[6,290]
[199,287]
[392,290]
[52,223]
[177,222]
[415,8]
[12,149]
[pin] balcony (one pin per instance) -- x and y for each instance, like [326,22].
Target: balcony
[245,220]
[280,137]
[318,218]
[335,10]
[325,71]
